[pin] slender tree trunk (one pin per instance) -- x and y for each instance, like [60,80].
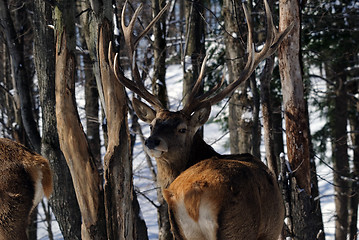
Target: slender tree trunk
[160,90]
[267,115]
[341,164]
[159,32]
[293,97]
[277,124]
[194,49]
[354,196]
[241,108]
[339,118]
[63,200]
[92,109]
[21,77]
[306,224]
[256,125]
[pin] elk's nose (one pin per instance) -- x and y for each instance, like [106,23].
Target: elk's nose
[152,143]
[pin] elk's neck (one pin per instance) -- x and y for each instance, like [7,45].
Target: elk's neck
[171,166]
[200,150]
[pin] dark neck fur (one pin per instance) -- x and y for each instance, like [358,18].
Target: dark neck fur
[200,151]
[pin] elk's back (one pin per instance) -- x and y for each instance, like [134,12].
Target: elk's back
[226,199]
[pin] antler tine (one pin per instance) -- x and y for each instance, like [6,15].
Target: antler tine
[195,102]
[274,38]
[192,95]
[136,85]
[110,55]
[128,30]
[214,89]
[148,28]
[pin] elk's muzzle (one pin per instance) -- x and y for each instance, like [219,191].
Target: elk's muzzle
[155,146]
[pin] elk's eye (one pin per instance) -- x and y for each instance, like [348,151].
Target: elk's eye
[182,130]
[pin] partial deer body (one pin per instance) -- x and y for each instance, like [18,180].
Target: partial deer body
[25,177]
[226,199]
[210,196]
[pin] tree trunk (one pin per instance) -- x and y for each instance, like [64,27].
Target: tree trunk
[121,216]
[267,115]
[159,48]
[13,127]
[293,97]
[21,77]
[160,90]
[194,49]
[336,73]
[240,125]
[122,211]
[92,109]
[63,200]
[73,142]
[256,125]
[354,196]
[7,100]
[305,223]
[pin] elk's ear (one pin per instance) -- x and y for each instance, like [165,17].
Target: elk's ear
[143,111]
[200,116]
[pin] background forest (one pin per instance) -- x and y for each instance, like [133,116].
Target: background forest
[60,98]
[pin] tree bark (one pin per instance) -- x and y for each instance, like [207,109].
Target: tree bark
[121,216]
[73,142]
[306,224]
[354,198]
[122,208]
[194,49]
[354,134]
[338,119]
[267,115]
[256,125]
[159,88]
[63,200]
[92,109]
[293,98]
[21,77]
[159,47]
[240,123]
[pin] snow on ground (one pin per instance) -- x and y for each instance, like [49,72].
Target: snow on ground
[219,140]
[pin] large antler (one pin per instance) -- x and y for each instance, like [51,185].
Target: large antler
[274,38]
[135,85]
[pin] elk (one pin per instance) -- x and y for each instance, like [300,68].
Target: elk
[25,177]
[210,196]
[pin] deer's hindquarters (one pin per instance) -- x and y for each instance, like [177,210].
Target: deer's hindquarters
[226,199]
[24,179]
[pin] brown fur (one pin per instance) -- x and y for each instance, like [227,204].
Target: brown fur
[20,169]
[243,193]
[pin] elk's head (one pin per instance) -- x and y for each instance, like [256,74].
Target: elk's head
[172,133]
